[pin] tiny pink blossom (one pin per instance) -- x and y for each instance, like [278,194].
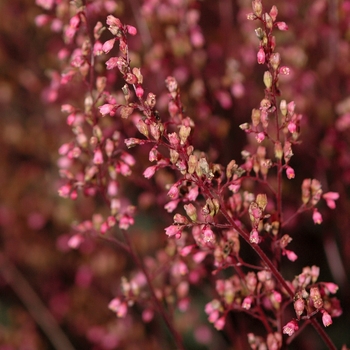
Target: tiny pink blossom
[208,235]
[299,306]
[139,92]
[331,287]
[147,315]
[260,137]
[112,63]
[113,21]
[290,328]
[172,230]
[284,70]
[277,296]
[282,26]
[149,172]
[41,20]
[220,323]
[290,172]
[199,257]
[193,193]
[290,255]
[98,157]
[75,241]
[108,45]
[106,109]
[261,56]
[171,206]
[247,303]
[317,217]
[326,319]
[173,193]
[330,198]
[131,30]
[292,127]
[254,236]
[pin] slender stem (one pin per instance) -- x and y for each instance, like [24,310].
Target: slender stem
[277,276]
[160,307]
[34,305]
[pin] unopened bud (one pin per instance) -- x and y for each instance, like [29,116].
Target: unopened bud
[257,7]
[275,60]
[184,132]
[261,200]
[174,156]
[268,20]
[192,164]
[191,211]
[283,107]
[151,100]
[142,127]
[268,79]
[255,117]
[278,150]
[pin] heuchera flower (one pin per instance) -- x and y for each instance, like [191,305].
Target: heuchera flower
[317,217]
[173,230]
[330,198]
[290,328]
[326,319]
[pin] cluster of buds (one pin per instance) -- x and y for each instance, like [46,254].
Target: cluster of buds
[312,297]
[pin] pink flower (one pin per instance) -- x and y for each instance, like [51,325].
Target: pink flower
[75,241]
[173,230]
[106,109]
[247,303]
[290,328]
[193,193]
[299,306]
[254,236]
[290,172]
[260,137]
[317,217]
[173,193]
[290,255]
[171,206]
[98,157]
[220,323]
[112,63]
[282,26]
[208,235]
[108,45]
[261,56]
[139,92]
[120,308]
[330,198]
[331,287]
[131,30]
[326,319]
[149,172]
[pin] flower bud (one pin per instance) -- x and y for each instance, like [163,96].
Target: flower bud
[268,20]
[278,150]
[299,306]
[261,56]
[275,60]
[255,117]
[257,7]
[268,79]
[191,211]
[283,107]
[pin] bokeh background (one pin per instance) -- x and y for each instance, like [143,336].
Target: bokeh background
[50,294]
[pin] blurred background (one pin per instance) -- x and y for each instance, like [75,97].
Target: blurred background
[50,296]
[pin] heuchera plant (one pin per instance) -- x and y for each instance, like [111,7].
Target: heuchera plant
[229,227]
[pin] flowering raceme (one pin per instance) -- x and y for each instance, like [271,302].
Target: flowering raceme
[215,209]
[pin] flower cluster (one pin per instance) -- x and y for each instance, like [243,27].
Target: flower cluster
[215,208]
